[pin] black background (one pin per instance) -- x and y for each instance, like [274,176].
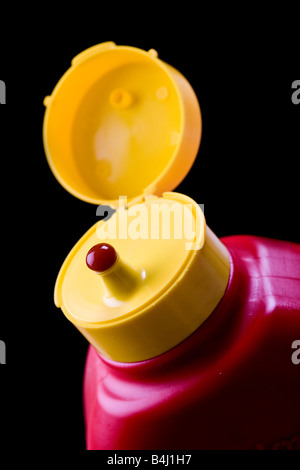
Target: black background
[246,173]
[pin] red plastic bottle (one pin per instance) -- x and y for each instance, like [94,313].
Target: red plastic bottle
[191,348]
[233,384]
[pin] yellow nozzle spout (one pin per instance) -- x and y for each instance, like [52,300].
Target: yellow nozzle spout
[119,279]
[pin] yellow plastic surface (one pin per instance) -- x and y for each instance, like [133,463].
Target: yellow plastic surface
[171,289]
[121,122]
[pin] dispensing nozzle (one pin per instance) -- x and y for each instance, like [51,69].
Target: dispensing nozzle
[120,280]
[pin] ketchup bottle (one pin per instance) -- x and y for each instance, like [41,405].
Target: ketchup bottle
[193,339]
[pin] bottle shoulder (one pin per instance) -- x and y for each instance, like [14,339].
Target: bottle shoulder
[272,268]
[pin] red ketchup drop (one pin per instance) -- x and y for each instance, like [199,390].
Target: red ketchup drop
[101,257]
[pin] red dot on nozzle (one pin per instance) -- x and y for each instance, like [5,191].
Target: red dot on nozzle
[101,257]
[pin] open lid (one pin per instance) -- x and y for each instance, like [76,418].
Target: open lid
[120,122]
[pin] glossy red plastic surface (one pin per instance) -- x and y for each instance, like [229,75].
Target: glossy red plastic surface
[230,385]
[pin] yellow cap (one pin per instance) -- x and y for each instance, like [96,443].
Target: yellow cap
[180,269]
[120,122]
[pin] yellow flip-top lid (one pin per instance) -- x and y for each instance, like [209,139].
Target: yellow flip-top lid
[121,122]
